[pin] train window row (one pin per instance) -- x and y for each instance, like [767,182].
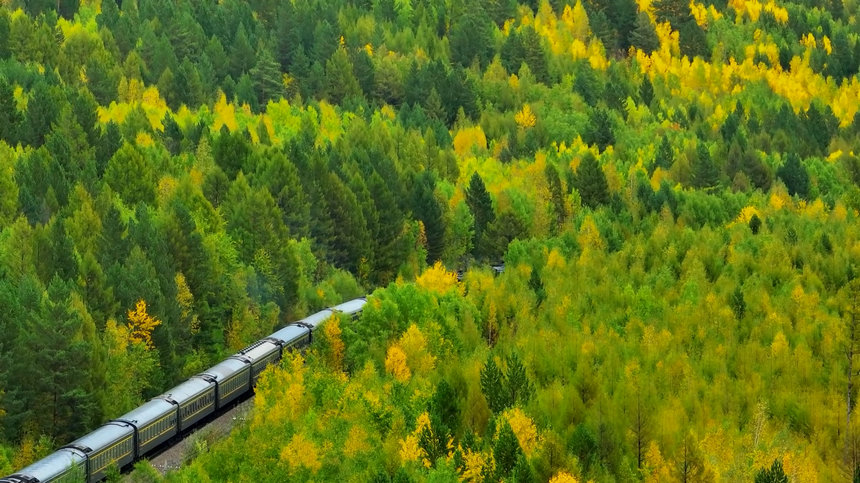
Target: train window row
[114,453]
[158,428]
[230,385]
[265,362]
[197,405]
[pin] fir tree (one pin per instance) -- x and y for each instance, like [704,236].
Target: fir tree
[591,182]
[794,175]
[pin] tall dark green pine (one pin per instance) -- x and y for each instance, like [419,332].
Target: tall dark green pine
[42,111]
[481,205]
[506,450]
[231,151]
[591,182]
[646,91]
[471,36]
[351,241]
[52,382]
[390,246]
[705,173]
[493,385]
[288,35]
[242,56]
[341,81]
[774,474]
[691,36]
[600,130]
[794,175]
[266,76]
[282,179]
[559,208]
[10,117]
[5,29]
[644,35]
[517,381]
[533,54]
[426,207]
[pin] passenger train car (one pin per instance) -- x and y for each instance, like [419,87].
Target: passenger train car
[137,433]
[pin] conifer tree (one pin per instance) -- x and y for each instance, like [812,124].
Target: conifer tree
[591,182]
[794,175]
[705,173]
[481,205]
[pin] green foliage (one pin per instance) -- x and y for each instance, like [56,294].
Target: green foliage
[591,182]
[774,474]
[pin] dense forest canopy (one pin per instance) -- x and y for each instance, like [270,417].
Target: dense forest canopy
[671,185]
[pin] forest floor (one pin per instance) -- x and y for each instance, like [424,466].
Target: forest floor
[173,457]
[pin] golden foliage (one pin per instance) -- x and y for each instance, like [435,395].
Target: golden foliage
[525,430]
[332,333]
[439,280]
[301,452]
[589,236]
[141,324]
[185,300]
[414,345]
[563,477]
[469,138]
[225,115]
[474,465]
[409,449]
[525,118]
[356,442]
[395,364]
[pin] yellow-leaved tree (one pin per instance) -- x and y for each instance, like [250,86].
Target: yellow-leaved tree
[141,324]
[301,452]
[525,118]
[439,280]
[563,477]
[395,364]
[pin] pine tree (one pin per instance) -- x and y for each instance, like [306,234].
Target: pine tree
[644,35]
[506,450]
[559,207]
[267,78]
[705,173]
[794,175]
[774,474]
[600,131]
[427,209]
[646,91]
[591,182]
[493,387]
[481,204]
[341,80]
[471,36]
[10,118]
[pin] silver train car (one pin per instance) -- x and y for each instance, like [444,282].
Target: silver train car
[136,434]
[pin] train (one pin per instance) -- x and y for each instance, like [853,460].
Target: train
[138,433]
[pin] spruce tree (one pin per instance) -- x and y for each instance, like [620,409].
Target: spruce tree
[591,182]
[794,175]
[481,204]
[644,35]
[706,174]
[506,450]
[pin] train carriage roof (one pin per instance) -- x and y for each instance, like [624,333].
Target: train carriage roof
[53,465]
[258,350]
[290,334]
[226,369]
[188,389]
[314,320]
[350,306]
[148,412]
[103,437]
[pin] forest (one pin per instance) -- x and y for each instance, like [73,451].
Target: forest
[671,185]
